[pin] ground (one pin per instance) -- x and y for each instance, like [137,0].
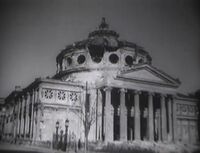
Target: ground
[117,147]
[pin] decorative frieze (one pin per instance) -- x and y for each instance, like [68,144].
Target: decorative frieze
[61,95]
[69,97]
[186,110]
[73,96]
[48,93]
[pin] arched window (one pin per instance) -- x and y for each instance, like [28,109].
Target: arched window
[129,60]
[113,58]
[140,61]
[69,60]
[81,59]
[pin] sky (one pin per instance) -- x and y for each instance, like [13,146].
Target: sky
[33,32]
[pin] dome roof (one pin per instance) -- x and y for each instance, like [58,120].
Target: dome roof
[100,42]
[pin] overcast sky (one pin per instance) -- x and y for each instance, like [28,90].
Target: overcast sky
[32,33]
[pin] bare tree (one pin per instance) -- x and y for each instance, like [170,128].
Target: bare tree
[86,114]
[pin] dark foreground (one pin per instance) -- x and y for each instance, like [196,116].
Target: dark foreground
[17,151]
[137,147]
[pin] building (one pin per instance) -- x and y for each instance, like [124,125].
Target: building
[125,97]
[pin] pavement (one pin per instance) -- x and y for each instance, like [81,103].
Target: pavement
[7,147]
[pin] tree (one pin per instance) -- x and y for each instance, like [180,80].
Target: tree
[86,114]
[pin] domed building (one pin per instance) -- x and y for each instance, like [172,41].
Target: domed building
[106,87]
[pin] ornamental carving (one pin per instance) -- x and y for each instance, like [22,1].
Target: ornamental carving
[73,96]
[48,93]
[61,95]
[185,109]
[57,95]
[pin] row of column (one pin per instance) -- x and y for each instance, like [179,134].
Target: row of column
[28,115]
[108,119]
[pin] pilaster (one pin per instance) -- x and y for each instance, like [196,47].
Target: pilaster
[39,115]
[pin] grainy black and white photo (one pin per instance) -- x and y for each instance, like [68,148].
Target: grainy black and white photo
[99,76]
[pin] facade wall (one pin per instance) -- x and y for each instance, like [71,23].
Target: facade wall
[187,120]
[118,114]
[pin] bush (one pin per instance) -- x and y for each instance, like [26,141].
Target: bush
[119,147]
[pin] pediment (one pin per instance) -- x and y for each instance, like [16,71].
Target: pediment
[148,75]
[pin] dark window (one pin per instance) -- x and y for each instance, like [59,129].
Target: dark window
[69,60]
[96,53]
[140,61]
[113,58]
[129,60]
[81,59]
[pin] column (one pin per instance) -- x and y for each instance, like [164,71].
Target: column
[137,116]
[158,124]
[32,119]
[18,117]
[14,120]
[35,116]
[27,114]
[169,105]
[163,118]
[108,116]
[63,64]
[123,116]
[58,67]
[174,120]
[99,111]
[22,116]
[150,117]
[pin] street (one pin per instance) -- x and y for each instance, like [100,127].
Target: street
[14,148]
[17,151]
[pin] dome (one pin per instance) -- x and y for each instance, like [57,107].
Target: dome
[101,50]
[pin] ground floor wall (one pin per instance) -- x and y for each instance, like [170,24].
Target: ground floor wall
[187,121]
[53,122]
[118,115]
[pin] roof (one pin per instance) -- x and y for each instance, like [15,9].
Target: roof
[104,38]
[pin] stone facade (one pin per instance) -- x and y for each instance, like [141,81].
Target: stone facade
[128,100]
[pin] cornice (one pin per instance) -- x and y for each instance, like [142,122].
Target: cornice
[136,80]
[156,72]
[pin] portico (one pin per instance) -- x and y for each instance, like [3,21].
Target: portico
[152,113]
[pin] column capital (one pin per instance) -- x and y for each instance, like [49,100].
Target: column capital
[150,93]
[123,90]
[163,95]
[137,92]
[107,89]
[23,97]
[172,96]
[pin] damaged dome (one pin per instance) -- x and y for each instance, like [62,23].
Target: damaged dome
[102,49]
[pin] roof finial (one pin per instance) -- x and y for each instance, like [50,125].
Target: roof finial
[103,24]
